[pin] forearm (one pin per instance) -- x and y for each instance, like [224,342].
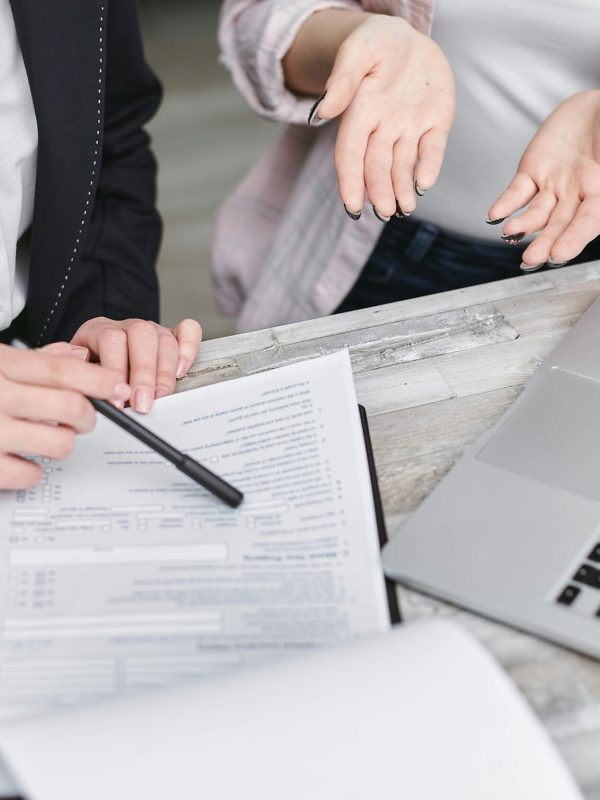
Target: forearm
[309,61]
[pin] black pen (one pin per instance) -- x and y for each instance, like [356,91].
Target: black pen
[220,488]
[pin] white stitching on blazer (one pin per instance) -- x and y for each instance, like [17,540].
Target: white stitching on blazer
[101,74]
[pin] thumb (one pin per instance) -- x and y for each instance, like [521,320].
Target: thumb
[350,67]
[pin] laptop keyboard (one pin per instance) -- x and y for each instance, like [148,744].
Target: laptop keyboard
[568,596]
[595,554]
[586,577]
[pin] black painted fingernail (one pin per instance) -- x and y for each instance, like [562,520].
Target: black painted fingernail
[513,238]
[383,219]
[531,267]
[314,109]
[399,213]
[494,221]
[355,216]
[420,192]
[555,264]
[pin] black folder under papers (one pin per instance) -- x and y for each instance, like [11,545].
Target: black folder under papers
[392,595]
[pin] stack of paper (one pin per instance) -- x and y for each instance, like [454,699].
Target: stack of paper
[123,575]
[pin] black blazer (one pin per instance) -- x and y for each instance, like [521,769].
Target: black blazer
[96,232]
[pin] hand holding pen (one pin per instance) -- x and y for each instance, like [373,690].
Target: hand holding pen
[38,385]
[41,385]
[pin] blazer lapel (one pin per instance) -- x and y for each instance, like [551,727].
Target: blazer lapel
[62,42]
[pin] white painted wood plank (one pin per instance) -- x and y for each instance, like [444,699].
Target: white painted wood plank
[371,348]
[401,386]
[498,367]
[534,284]
[419,307]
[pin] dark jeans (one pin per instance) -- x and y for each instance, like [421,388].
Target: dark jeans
[413,258]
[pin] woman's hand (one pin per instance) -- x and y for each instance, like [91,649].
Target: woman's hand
[43,406]
[558,178]
[147,356]
[394,90]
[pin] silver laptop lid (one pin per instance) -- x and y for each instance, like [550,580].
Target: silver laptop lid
[509,529]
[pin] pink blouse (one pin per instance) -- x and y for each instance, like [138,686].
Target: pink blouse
[284,249]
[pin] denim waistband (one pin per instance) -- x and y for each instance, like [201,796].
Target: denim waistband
[415,237]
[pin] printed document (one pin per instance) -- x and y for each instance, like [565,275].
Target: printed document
[121,574]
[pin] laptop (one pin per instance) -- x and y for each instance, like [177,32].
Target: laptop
[513,531]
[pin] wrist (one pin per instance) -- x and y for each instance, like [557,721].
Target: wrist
[309,61]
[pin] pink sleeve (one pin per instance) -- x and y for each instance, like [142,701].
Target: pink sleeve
[254,36]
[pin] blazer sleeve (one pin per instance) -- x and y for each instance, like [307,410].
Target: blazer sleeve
[117,276]
[254,36]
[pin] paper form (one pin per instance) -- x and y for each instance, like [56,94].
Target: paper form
[121,574]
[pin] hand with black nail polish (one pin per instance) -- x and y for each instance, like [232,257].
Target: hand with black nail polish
[558,181]
[513,238]
[394,91]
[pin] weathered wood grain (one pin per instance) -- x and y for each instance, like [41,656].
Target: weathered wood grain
[434,373]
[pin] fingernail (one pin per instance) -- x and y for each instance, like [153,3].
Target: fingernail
[513,238]
[555,264]
[162,391]
[399,213]
[182,368]
[122,392]
[118,404]
[531,267]
[420,192]
[80,352]
[494,221]
[355,215]
[383,219]
[313,117]
[143,399]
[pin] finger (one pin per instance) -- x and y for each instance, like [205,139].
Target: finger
[35,367]
[57,349]
[350,67]
[107,340]
[535,218]
[39,404]
[519,193]
[142,340]
[432,149]
[349,157]
[18,473]
[66,349]
[80,352]
[36,439]
[538,251]
[583,229]
[189,336]
[403,173]
[113,351]
[166,369]
[377,175]
[88,334]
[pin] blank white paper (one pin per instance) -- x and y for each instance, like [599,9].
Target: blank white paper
[421,713]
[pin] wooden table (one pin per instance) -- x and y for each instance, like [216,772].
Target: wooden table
[434,373]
